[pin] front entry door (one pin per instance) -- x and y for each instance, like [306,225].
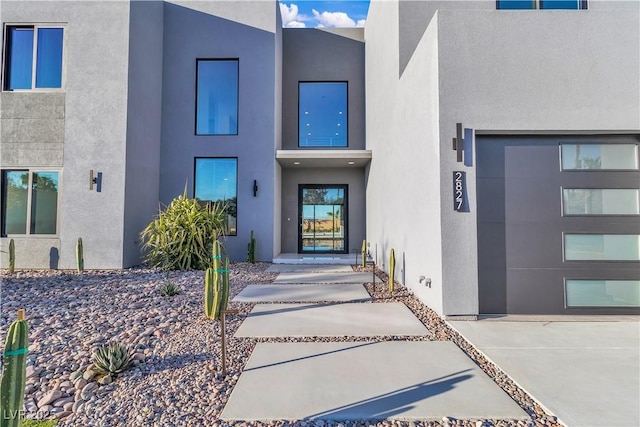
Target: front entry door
[322,217]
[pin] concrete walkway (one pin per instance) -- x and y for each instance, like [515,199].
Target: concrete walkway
[587,373]
[303,293]
[345,379]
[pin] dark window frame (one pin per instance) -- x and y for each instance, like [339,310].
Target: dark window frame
[195,121]
[324,147]
[195,162]
[345,213]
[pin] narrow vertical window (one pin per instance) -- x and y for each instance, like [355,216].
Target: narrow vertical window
[217,97]
[216,180]
[49,58]
[44,203]
[33,58]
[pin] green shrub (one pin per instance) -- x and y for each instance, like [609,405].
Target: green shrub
[169,289]
[112,358]
[181,236]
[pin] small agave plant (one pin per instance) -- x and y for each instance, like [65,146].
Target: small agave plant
[169,289]
[112,359]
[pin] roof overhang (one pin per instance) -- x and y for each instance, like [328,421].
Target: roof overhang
[323,158]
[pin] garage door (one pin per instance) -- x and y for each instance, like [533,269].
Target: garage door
[558,225]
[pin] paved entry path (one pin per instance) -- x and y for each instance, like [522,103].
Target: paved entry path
[378,362]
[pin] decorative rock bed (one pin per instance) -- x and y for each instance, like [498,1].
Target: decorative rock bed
[175,380]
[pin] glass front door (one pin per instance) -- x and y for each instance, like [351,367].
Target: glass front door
[323,219]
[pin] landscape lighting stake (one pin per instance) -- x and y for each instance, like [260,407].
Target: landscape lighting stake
[224,343]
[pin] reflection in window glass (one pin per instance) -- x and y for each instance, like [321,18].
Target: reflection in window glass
[44,203]
[38,209]
[516,4]
[20,57]
[15,185]
[603,293]
[589,201]
[217,97]
[49,58]
[603,247]
[599,156]
[559,4]
[322,114]
[216,181]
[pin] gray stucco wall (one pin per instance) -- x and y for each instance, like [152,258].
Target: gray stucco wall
[321,55]
[144,115]
[354,178]
[96,60]
[507,71]
[190,32]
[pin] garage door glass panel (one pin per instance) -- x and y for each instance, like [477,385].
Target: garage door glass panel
[602,247]
[599,156]
[590,201]
[603,293]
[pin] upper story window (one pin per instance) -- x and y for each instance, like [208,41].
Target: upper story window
[217,97]
[322,114]
[33,57]
[29,202]
[541,4]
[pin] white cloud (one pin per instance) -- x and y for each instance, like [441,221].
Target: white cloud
[296,24]
[333,19]
[290,16]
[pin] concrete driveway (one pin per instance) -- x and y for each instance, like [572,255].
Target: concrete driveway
[585,370]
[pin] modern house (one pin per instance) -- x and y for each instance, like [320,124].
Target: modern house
[492,144]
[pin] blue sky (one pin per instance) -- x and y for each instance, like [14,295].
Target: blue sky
[313,14]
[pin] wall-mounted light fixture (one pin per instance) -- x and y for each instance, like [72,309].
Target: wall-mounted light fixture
[95,180]
[458,142]
[255,188]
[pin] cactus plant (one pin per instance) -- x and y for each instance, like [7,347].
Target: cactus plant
[251,250]
[12,256]
[224,289]
[209,293]
[112,359]
[14,372]
[216,284]
[392,269]
[79,255]
[364,253]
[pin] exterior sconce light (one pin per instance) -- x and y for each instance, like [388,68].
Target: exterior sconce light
[458,142]
[255,188]
[95,180]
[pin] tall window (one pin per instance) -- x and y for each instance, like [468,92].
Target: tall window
[29,202]
[216,180]
[217,97]
[541,4]
[322,114]
[33,57]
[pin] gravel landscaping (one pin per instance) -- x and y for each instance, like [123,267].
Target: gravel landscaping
[176,380]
